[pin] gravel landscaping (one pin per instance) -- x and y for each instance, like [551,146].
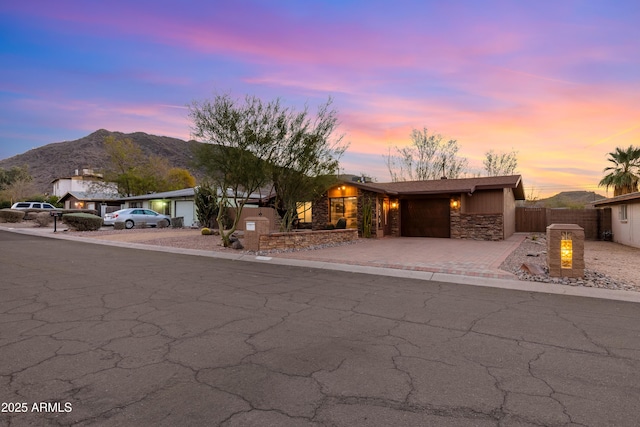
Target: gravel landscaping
[609,265]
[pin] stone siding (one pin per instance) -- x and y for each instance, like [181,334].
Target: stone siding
[305,239]
[320,213]
[477,226]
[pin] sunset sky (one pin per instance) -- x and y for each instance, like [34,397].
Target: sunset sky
[557,81]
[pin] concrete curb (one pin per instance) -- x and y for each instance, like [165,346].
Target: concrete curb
[548,288]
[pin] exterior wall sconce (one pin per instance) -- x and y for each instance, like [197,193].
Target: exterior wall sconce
[566,251]
[455,204]
[394,205]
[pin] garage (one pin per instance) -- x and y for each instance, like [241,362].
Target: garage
[425,218]
[185,209]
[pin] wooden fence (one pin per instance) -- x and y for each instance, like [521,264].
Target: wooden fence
[536,220]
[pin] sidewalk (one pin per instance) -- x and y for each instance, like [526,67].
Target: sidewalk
[466,262]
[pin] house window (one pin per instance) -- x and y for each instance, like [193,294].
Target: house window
[622,212]
[304,212]
[160,206]
[344,207]
[135,204]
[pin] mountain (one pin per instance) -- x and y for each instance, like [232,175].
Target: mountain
[61,159]
[568,199]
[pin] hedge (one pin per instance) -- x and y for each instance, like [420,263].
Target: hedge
[82,221]
[12,215]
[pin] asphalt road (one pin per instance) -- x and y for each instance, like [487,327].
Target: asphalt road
[99,335]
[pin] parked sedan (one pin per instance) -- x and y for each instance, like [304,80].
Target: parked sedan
[135,215]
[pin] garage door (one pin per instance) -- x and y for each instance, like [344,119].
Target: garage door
[186,209]
[425,218]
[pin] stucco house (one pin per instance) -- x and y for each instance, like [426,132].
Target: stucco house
[83,181]
[181,203]
[625,217]
[468,208]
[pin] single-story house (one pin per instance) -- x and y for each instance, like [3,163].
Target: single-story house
[625,217]
[467,208]
[101,202]
[181,203]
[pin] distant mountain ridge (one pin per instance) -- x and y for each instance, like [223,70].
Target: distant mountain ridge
[61,159]
[568,199]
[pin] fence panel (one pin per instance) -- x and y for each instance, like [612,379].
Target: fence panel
[531,220]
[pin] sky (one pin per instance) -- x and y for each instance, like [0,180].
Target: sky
[556,81]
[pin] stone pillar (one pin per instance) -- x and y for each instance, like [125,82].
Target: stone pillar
[254,227]
[565,250]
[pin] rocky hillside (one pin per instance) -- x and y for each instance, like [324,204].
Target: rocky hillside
[61,159]
[568,199]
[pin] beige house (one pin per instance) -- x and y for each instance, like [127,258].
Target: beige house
[468,208]
[625,218]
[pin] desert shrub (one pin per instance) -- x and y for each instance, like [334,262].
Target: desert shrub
[341,224]
[163,224]
[141,224]
[31,215]
[118,226]
[12,215]
[43,219]
[82,221]
[206,231]
[329,226]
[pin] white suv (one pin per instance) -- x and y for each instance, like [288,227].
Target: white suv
[33,205]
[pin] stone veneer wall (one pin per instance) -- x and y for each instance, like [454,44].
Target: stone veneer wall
[305,239]
[320,213]
[477,226]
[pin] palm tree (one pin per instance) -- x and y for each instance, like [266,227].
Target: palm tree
[624,174]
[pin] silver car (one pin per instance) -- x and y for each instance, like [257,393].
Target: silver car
[135,215]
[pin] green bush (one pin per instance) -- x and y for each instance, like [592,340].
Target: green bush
[163,224]
[118,226]
[11,215]
[206,231]
[82,221]
[330,226]
[341,224]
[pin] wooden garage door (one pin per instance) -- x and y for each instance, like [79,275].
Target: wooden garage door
[425,218]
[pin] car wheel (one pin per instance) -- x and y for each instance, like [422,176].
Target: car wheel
[128,224]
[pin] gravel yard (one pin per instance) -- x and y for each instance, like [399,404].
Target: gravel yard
[608,265]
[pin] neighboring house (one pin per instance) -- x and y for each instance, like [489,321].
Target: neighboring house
[101,202]
[469,208]
[625,217]
[84,180]
[181,203]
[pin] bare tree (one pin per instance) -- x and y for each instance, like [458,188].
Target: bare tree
[502,163]
[430,156]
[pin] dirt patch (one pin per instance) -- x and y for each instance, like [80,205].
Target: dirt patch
[613,259]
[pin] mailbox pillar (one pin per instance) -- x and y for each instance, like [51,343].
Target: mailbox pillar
[254,227]
[565,250]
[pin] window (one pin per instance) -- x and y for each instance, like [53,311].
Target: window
[161,206]
[622,212]
[304,212]
[344,207]
[135,204]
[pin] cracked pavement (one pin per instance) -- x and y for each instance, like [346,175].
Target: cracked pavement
[133,337]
